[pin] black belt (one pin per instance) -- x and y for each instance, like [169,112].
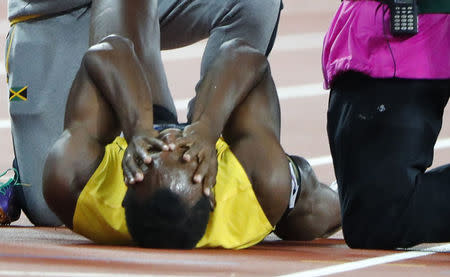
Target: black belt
[433,6]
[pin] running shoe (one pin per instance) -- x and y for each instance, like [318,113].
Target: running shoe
[9,206]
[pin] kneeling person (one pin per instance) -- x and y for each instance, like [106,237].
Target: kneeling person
[153,187]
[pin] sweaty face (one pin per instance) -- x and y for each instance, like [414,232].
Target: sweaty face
[169,170]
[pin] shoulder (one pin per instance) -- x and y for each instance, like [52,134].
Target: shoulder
[66,172]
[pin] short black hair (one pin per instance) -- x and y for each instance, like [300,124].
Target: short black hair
[164,220]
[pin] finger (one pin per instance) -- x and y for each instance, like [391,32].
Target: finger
[144,168]
[133,169]
[201,172]
[128,177]
[182,142]
[157,144]
[142,151]
[209,181]
[191,153]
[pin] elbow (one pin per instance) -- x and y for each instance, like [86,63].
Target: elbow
[110,48]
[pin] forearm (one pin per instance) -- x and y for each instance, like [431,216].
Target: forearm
[117,73]
[137,21]
[228,81]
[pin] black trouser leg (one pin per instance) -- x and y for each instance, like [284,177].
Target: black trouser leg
[382,133]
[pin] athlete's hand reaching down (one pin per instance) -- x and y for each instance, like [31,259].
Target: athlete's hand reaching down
[201,146]
[137,155]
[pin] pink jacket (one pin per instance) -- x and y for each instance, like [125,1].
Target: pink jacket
[359,39]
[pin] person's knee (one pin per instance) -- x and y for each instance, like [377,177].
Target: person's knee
[371,240]
[371,228]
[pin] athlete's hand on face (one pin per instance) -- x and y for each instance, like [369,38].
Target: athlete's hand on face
[201,146]
[137,155]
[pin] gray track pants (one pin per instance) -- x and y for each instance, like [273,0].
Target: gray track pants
[45,56]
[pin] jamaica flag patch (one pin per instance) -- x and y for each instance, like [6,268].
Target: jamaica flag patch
[18,93]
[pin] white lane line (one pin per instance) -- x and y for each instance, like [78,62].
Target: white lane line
[296,42]
[283,43]
[182,104]
[301,91]
[334,269]
[318,161]
[193,51]
[4,27]
[5,124]
[442,144]
[71,274]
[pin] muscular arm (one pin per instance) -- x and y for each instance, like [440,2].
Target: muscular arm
[252,130]
[233,74]
[107,96]
[237,69]
[116,72]
[237,98]
[247,109]
[138,21]
[231,77]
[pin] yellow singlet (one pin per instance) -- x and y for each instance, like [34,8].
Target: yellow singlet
[99,214]
[238,220]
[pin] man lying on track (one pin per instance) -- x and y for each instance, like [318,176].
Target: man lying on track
[148,192]
[73,25]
